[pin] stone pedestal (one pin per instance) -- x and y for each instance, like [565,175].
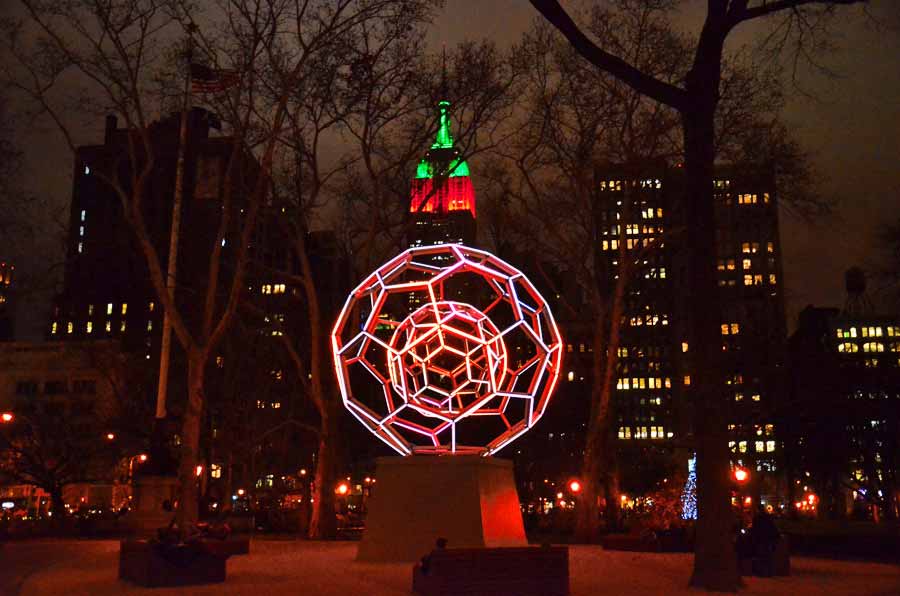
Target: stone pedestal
[469,500]
[147,513]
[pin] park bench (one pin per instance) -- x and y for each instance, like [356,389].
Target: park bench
[516,571]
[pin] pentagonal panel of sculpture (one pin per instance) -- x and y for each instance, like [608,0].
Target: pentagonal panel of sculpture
[446,349]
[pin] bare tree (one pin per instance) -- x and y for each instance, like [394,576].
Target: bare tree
[121,51]
[696,100]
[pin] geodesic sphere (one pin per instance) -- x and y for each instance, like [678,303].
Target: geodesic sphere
[446,349]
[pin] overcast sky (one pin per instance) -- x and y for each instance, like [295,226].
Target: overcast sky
[851,124]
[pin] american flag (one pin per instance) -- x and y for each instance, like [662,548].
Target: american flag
[209,80]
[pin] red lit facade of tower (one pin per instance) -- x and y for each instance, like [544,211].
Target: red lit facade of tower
[442,198]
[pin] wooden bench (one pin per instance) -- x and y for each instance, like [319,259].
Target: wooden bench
[517,571]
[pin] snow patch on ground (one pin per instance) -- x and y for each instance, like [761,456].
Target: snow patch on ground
[328,568]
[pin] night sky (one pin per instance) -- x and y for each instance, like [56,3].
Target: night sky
[851,124]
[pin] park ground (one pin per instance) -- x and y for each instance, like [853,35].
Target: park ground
[89,567]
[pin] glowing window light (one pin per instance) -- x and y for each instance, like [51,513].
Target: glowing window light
[445,368]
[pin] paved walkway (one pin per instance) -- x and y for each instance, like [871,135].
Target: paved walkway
[323,568]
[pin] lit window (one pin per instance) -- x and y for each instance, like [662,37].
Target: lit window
[687,380]
[220,361]
[109,308]
[149,325]
[735,328]
[89,327]
[108,327]
[122,327]
[569,348]
[760,446]
[770,446]
[571,376]
[69,327]
[53,327]
[90,310]
[80,247]
[124,308]
[746,264]
[742,446]
[684,346]
[83,214]
[581,348]
[755,397]
[81,230]
[848,347]
[772,280]
[151,306]
[748,280]
[730,264]
[215,471]
[873,346]
[770,247]
[738,397]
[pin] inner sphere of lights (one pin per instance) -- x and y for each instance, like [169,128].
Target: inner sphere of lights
[446,349]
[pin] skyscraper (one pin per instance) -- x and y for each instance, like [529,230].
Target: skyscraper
[653,396]
[107,291]
[442,198]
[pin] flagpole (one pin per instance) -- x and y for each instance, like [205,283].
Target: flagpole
[172,268]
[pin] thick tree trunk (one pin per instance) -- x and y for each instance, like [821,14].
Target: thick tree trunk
[57,507]
[190,443]
[323,521]
[715,563]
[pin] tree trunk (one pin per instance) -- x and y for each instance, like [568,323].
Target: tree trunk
[57,507]
[190,443]
[323,521]
[715,562]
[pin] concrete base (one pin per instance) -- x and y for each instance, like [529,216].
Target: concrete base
[469,500]
[147,514]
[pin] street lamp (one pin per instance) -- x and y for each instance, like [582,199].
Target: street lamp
[575,486]
[741,475]
[110,436]
[342,489]
[7,417]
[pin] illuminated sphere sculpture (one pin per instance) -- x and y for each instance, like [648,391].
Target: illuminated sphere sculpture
[446,349]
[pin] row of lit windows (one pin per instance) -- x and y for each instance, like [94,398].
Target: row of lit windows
[626,383]
[617,184]
[740,397]
[89,327]
[869,331]
[756,279]
[759,429]
[731,328]
[752,198]
[643,432]
[272,288]
[760,446]
[869,346]
[752,248]
[649,320]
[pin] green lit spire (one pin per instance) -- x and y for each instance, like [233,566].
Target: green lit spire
[443,142]
[444,139]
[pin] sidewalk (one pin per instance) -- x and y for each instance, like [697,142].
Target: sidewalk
[325,568]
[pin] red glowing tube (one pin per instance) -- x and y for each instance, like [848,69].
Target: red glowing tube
[464,351]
